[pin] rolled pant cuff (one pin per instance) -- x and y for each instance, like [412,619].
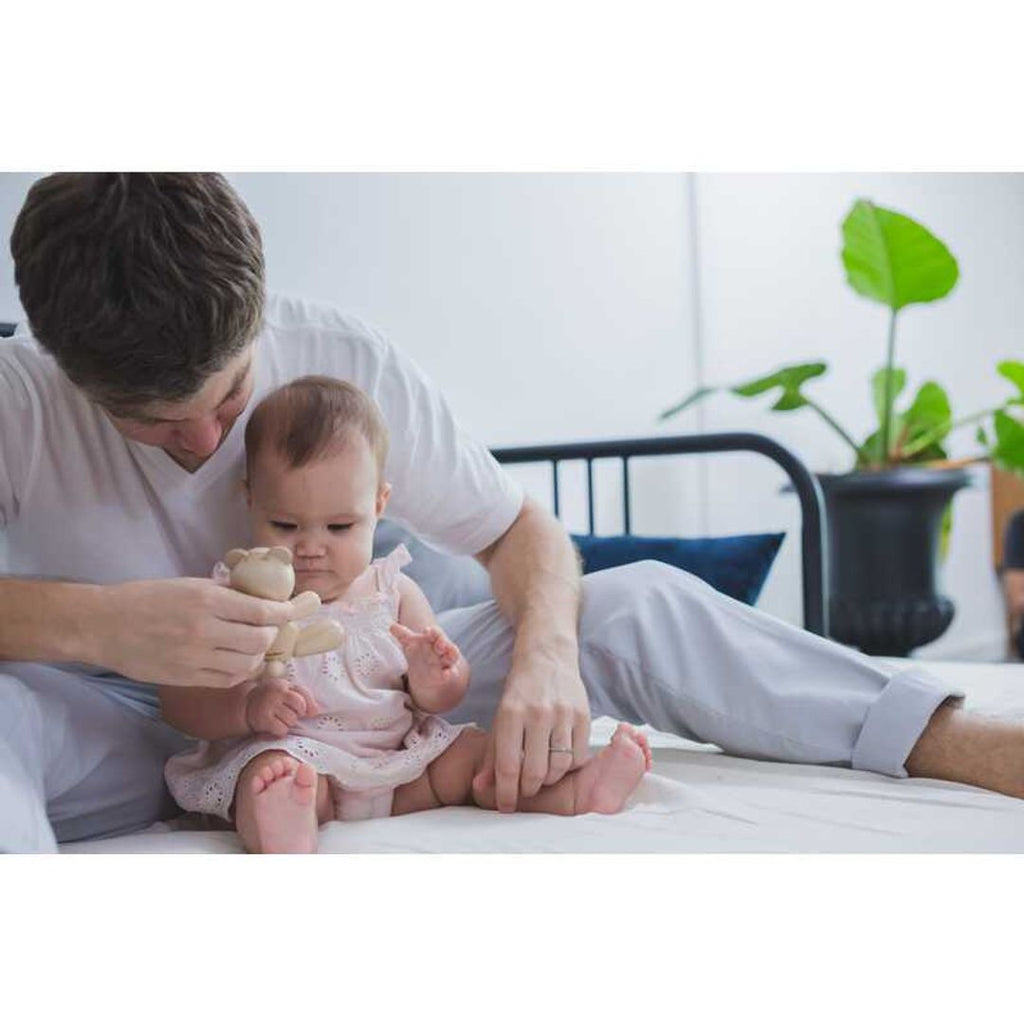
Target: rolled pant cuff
[895,721]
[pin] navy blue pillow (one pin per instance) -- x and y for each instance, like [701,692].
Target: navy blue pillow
[737,566]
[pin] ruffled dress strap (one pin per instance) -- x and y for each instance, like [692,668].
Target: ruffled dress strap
[389,568]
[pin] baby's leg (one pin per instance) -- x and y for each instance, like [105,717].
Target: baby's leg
[603,784]
[448,780]
[279,804]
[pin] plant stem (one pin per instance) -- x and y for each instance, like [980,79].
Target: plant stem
[947,428]
[887,406]
[832,423]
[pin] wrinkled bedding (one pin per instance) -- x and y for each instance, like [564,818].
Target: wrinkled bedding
[697,799]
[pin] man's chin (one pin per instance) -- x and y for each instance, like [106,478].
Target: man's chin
[189,460]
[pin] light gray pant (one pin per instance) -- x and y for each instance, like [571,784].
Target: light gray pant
[656,645]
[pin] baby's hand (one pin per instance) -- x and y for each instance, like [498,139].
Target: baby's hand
[275,706]
[433,659]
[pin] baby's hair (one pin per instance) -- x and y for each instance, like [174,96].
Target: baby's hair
[314,417]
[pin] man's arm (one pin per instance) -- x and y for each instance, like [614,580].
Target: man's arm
[181,632]
[544,710]
[47,621]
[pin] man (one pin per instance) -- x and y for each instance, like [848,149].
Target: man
[121,426]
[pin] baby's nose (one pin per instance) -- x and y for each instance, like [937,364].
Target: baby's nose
[308,544]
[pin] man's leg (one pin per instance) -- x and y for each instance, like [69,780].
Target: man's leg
[96,762]
[659,646]
[23,824]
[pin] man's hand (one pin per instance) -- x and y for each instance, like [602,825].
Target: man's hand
[185,632]
[275,706]
[541,729]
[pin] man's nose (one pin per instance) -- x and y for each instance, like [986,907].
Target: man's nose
[200,437]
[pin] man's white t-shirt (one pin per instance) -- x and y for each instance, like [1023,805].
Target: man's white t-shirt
[78,501]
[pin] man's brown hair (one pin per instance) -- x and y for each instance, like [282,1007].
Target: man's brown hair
[140,285]
[313,417]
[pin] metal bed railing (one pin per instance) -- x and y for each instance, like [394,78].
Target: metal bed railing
[812,506]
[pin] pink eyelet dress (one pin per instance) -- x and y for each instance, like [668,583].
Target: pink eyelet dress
[368,738]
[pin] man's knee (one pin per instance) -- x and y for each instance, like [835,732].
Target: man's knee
[21,718]
[638,590]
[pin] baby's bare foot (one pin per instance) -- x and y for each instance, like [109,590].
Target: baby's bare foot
[605,781]
[284,806]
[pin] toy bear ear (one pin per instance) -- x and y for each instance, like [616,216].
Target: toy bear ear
[234,556]
[281,554]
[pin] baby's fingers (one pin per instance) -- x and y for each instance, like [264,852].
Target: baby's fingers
[311,707]
[293,700]
[402,634]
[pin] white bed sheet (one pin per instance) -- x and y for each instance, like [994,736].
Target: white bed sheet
[699,800]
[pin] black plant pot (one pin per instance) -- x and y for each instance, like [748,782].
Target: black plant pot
[884,530]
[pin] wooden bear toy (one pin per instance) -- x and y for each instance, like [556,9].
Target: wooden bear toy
[268,573]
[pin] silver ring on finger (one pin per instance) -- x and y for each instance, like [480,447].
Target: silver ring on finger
[560,750]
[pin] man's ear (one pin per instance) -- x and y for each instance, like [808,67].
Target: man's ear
[383,494]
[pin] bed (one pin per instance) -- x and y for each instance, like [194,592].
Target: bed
[698,799]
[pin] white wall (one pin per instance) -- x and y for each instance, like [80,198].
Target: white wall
[558,307]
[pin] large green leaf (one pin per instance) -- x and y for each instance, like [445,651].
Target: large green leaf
[1014,373]
[930,411]
[1008,452]
[790,379]
[894,260]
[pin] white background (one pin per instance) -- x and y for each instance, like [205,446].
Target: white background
[554,307]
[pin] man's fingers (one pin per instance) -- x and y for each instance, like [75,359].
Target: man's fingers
[560,754]
[240,666]
[234,606]
[241,637]
[208,677]
[402,633]
[535,759]
[508,760]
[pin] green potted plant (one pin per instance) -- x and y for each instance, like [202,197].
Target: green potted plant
[889,516]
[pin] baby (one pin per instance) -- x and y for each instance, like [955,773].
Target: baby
[354,733]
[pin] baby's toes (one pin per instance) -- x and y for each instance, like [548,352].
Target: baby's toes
[263,777]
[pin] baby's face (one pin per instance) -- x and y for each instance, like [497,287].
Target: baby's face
[324,512]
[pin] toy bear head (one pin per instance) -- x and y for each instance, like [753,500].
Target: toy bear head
[262,572]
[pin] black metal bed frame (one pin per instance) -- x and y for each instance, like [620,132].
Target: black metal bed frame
[812,542]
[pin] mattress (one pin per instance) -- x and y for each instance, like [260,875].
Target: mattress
[698,800]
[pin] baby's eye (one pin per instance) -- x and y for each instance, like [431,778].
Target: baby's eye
[339,527]
[284,527]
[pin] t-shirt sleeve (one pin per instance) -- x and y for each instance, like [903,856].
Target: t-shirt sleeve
[1013,543]
[19,414]
[446,485]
